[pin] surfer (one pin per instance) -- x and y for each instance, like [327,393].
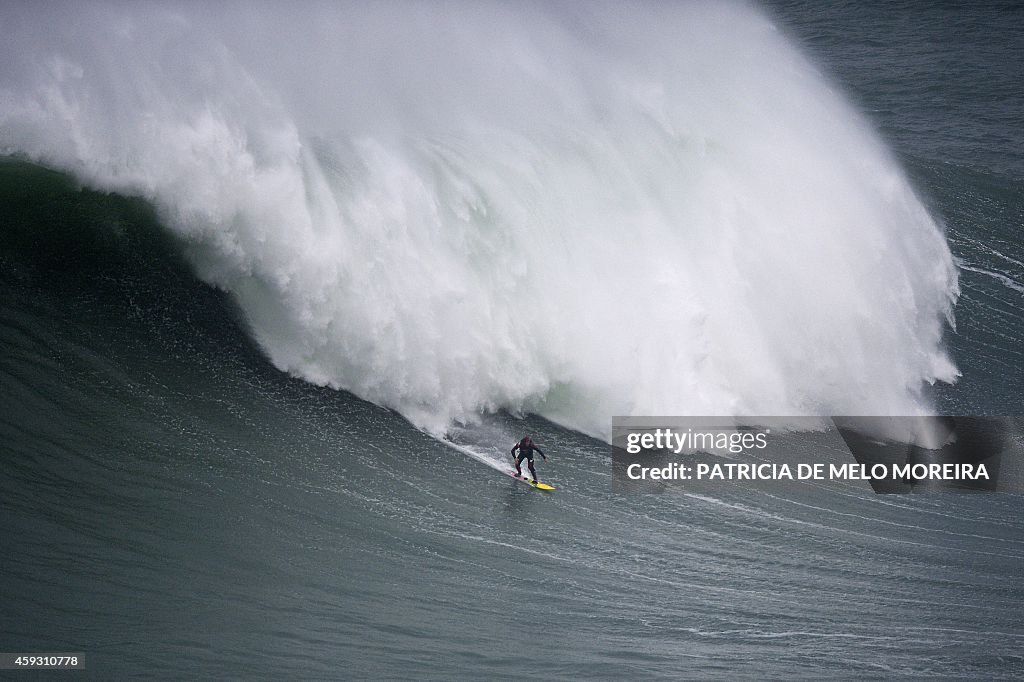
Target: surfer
[526,447]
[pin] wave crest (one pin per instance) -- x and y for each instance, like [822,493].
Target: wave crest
[449,209]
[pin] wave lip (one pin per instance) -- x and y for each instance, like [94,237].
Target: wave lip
[577,212]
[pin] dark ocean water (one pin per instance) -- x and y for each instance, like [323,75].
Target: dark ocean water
[173,506]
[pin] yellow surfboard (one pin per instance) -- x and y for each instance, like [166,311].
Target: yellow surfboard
[538,485]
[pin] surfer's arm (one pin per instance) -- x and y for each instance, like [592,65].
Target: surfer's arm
[514,448]
[541,453]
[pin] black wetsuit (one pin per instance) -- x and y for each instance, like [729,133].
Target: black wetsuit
[525,452]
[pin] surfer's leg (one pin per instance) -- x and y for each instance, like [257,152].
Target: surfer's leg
[519,471]
[533,471]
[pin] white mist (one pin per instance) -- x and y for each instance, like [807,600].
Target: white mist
[577,210]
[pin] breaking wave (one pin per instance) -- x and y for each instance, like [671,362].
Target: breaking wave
[575,210]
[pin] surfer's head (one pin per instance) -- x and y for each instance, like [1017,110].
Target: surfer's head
[526,441]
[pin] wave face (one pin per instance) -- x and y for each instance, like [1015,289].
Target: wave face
[452,208]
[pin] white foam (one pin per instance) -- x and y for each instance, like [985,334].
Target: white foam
[448,208]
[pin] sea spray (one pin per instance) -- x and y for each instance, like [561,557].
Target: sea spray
[574,210]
